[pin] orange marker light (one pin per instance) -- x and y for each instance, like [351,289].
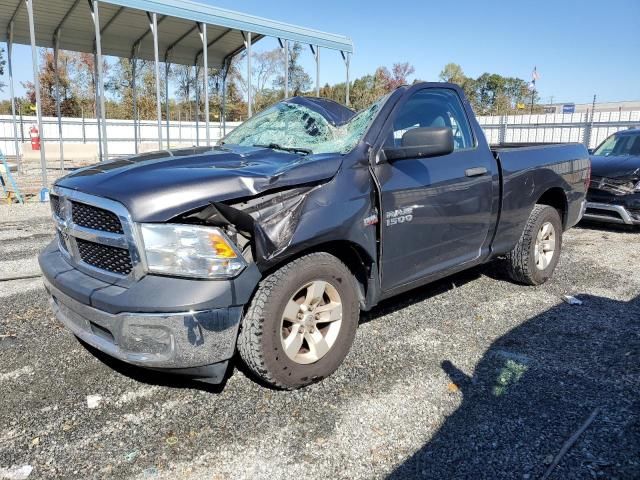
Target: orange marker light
[221,247]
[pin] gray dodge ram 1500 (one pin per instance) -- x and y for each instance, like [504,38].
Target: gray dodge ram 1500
[272,242]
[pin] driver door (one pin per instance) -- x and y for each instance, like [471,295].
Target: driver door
[436,212]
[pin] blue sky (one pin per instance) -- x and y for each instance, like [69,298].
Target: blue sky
[581,48]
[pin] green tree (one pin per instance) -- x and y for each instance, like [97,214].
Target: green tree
[185,82]
[2,64]
[69,105]
[299,80]
[452,73]
[120,83]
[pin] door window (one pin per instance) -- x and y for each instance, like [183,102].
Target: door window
[433,107]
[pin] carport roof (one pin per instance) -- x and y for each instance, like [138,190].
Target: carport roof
[124,23]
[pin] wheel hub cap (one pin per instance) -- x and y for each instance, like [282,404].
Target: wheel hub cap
[545,245]
[311,322]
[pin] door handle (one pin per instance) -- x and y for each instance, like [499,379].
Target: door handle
[475,172]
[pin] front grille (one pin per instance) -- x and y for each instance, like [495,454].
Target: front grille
[56,206]
[105,257]
[95,218]
[61,241]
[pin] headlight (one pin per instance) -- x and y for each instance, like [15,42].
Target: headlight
[190,251]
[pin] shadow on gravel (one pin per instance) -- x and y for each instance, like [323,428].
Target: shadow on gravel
[531,391]
[426,292]
[152,377]
[607,227]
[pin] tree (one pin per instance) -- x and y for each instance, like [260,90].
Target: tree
[490,93]
[299,80]
[186,83]
[266,71]
[69,106]
[121,85]
[2,64]
[397,77]
[452,73]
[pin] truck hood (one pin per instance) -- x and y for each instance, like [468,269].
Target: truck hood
[158,186]
[614,166]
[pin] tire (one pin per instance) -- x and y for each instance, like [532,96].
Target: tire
[521,264]
[266,328]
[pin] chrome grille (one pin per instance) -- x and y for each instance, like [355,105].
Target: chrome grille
[95,218]
[112,259]
[97,236]
[62,242]
[56,207]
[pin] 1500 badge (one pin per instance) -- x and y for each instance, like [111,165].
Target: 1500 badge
[402,215]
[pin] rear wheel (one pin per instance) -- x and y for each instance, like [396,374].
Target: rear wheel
[301,322]
[535,256]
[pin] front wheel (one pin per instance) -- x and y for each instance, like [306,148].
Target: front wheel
[535,256]
[301,322]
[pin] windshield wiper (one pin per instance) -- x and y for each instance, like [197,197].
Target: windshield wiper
[275,146]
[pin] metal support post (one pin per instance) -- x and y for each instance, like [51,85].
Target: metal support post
[36,83]
[134,101]
[249,86]
[205,74]
[153,24]
[167,67]
[56,51]
[285,46]
[99,81]
[347,62]
[97,104]
[316,54]
[84,131]
[223,115]
[197,112]
[12,95]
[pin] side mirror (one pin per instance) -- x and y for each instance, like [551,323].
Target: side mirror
[421,143]
[590,150]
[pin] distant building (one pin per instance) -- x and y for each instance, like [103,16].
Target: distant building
[568,107]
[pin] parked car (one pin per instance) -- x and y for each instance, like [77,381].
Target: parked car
[272,242]
[614,193]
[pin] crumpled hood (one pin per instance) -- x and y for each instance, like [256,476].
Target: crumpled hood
[614,166]
[158,186]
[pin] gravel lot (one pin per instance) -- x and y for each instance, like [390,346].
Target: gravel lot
[470,377]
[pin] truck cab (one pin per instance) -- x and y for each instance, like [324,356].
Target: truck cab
[267,246]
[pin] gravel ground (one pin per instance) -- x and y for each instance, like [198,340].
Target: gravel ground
[471,377]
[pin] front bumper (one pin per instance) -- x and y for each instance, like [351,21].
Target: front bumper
[164,341]
[611,213]
[194,323]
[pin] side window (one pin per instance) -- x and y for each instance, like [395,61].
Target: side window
[433,107]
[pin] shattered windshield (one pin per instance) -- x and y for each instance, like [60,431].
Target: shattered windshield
[293,127]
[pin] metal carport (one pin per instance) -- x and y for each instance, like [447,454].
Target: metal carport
[169,31]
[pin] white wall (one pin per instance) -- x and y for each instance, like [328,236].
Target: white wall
[569,127]
[120,133]
[519,128]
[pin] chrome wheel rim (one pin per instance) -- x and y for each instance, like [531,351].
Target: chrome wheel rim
[311,322]
[545,245]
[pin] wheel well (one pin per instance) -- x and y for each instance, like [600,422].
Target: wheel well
[352,255]
[556,198]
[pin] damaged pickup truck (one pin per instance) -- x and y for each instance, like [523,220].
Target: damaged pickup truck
[614,194]
[272,242]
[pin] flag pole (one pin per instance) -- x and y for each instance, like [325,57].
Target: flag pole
[534,77]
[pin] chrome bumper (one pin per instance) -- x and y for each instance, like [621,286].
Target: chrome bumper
[160,341]
[606,212]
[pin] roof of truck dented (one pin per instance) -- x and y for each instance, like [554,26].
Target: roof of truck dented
[334,112]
